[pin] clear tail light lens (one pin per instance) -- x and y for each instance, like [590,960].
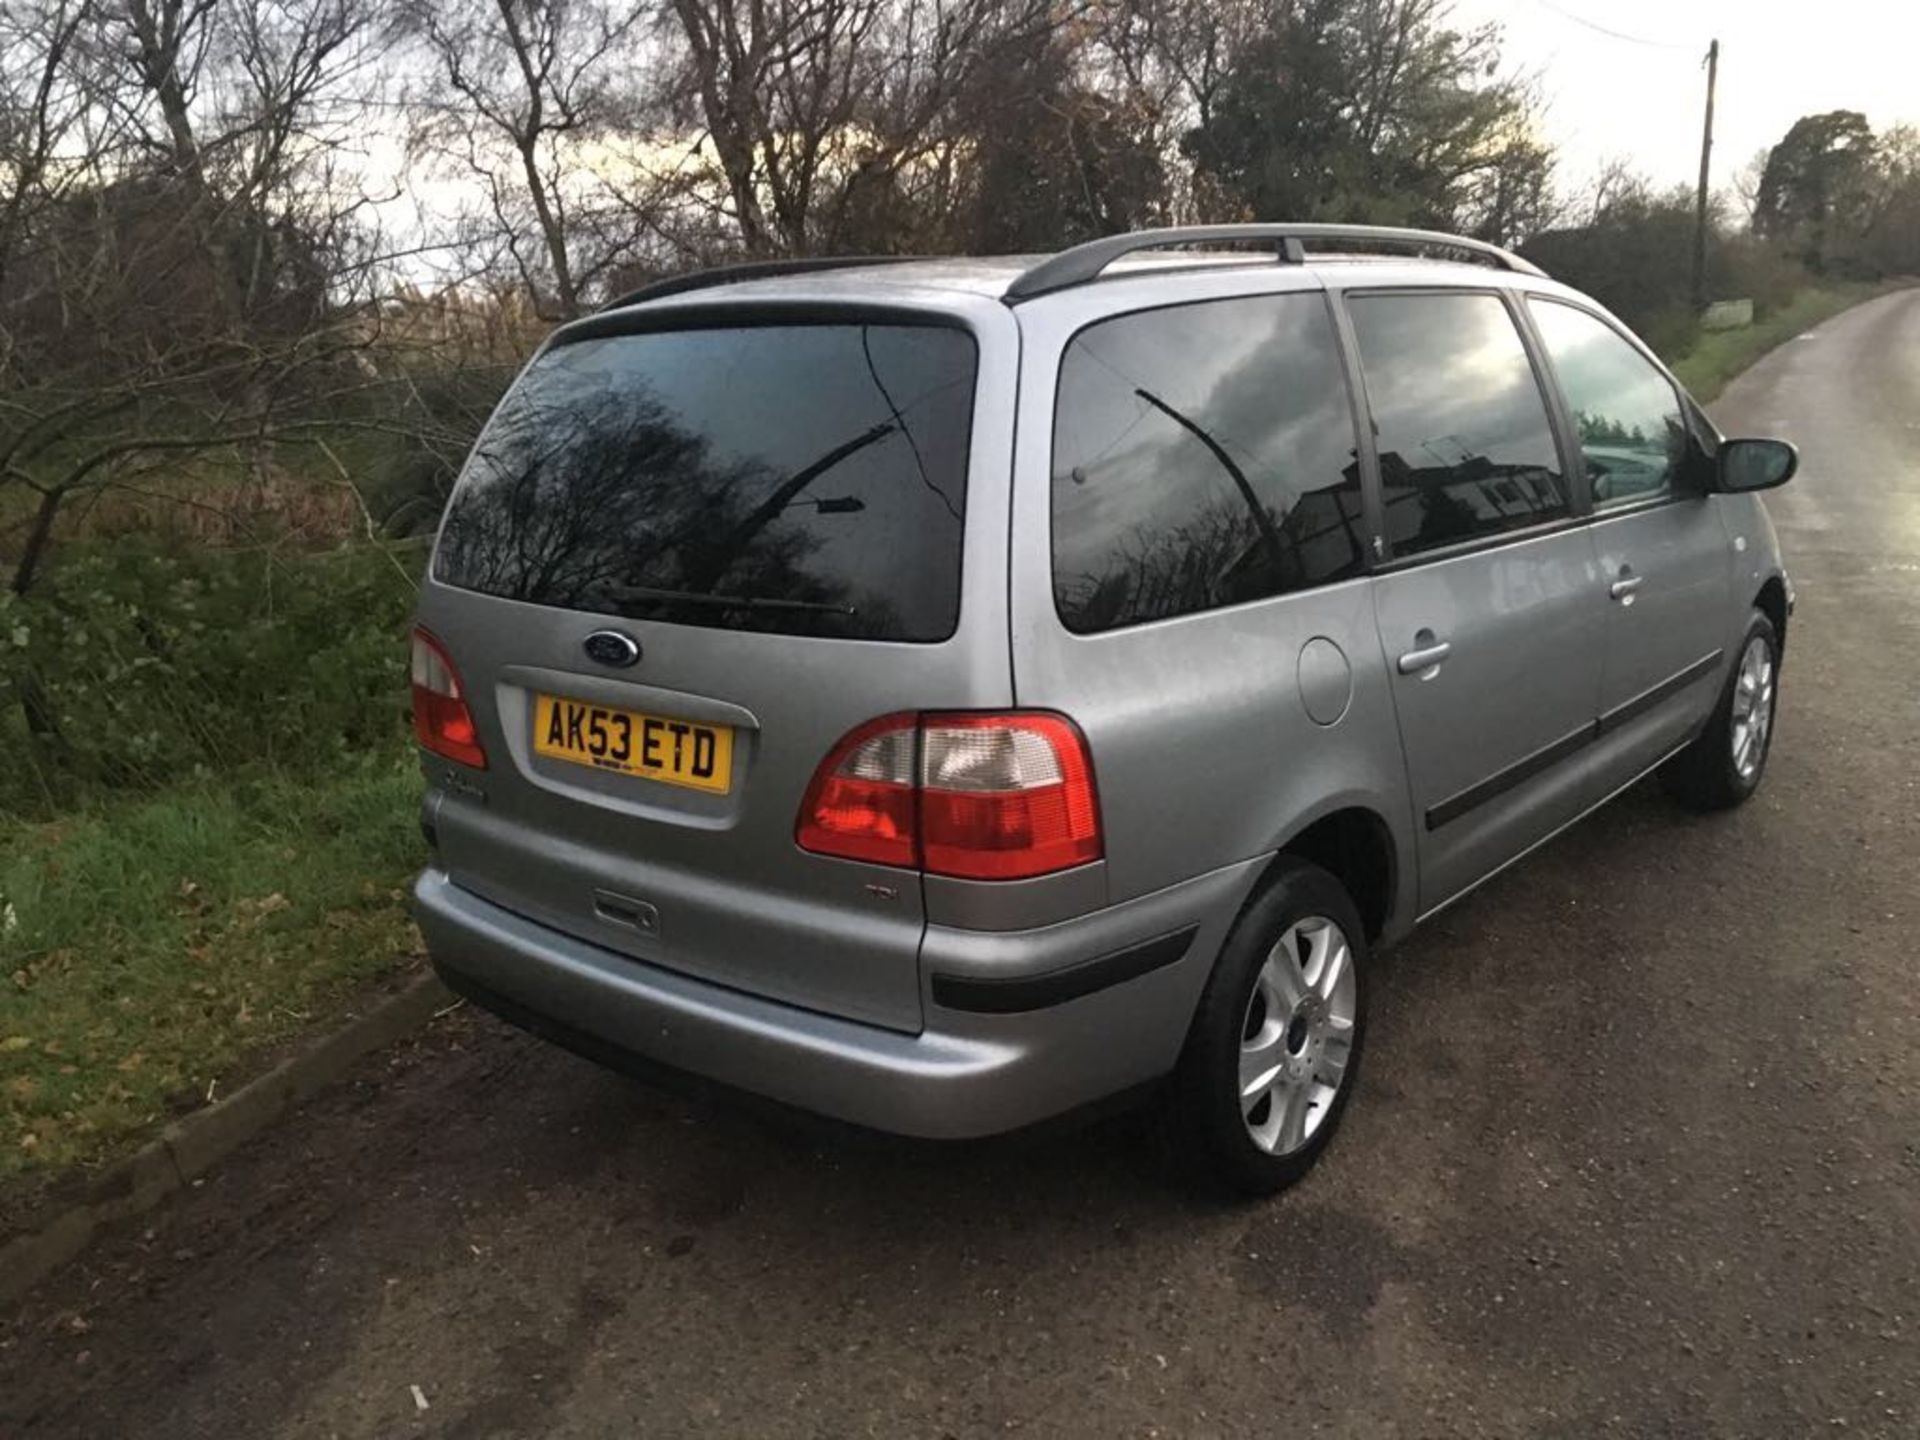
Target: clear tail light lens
[981,797]
[1005,797]
[441,721]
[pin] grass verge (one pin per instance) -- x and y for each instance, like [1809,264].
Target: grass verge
[1719,355]
[146,946]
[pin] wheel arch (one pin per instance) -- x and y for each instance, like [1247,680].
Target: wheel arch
[1772,602]
[1355,845]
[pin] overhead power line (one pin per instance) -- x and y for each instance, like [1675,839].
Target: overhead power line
[1610,32]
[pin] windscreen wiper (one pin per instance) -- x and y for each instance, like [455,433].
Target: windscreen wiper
[719,559]
[729,602]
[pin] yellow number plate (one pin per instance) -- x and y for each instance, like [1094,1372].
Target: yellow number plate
[675,752]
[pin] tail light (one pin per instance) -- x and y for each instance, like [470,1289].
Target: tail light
[982,797]
[863,803]
[441,720]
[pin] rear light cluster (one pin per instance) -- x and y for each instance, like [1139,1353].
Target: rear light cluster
[982,797]
[441,720]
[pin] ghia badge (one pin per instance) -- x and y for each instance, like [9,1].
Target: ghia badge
[612,647]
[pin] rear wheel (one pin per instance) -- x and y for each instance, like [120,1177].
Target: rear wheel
[1723,766]
[1276,1040]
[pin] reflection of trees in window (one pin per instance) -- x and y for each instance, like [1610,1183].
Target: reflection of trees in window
[1228,412]
[1603,430]
[803,479]
[589,502]
[1598,430]
[1218,554]
[1622,459]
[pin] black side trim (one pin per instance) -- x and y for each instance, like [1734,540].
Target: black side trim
[1055,987]
[1504,780]
[1665,690]
[1521,771]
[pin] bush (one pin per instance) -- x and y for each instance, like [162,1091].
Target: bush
[409,475]
[1742,267]
[1635,259]
[135,665]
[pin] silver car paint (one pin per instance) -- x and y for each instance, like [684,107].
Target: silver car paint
[1246,767]
[1523,626]
[964,1075]
[737,902]
[810,979]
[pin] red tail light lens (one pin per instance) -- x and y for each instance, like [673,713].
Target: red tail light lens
[863,804]
[441,720]
[981,797]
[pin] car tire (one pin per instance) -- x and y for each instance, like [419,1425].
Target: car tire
[1726,763]
[1286,1002]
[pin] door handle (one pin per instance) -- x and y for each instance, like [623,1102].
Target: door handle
[1626,586]
[1426,656]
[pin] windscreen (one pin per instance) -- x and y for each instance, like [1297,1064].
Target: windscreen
[807,479]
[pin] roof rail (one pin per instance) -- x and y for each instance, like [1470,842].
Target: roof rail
[747,270]
[1084,263]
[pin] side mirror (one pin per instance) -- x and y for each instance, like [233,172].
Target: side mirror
[1755,465]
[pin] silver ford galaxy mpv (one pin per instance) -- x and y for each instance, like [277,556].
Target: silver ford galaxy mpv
[943,694]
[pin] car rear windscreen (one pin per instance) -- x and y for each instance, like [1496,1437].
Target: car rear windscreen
[807,479]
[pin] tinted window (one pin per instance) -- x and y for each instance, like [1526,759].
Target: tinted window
[1466,449]
[1202,455]
[808,479]
[1632,437]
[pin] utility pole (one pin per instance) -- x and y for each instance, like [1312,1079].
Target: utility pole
[1700,209]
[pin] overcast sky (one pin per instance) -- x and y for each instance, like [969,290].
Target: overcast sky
[1609,97]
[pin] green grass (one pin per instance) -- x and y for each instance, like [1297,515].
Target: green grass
[1719,355]
[146,946]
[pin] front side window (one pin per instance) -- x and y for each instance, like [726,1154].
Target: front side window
[1203,455]
[1466,449]
[1632,436]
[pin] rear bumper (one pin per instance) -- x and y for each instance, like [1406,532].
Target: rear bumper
[975,1071]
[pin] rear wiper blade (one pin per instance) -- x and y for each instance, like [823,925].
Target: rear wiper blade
[729,602]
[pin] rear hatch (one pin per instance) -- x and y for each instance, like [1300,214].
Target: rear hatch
[689,553]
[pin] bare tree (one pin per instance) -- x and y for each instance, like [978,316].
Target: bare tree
[533,103]
[1745,186]
[809,108]
[174,280]
[1168,60]
[41,106]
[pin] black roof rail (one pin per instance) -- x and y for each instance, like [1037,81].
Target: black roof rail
[746,270]
[1084,263]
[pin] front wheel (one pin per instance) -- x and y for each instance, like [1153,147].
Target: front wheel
[1276,1039]
[1723,766]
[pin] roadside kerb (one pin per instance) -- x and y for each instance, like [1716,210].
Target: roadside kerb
[189,1147]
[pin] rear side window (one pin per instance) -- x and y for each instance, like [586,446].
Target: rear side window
[1633,438]
[1203,455]
[805,479]
[1466,449]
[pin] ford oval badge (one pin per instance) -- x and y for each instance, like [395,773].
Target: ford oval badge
[613,647]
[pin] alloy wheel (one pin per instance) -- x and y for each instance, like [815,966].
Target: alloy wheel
[1297,1035]
[1752,707]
